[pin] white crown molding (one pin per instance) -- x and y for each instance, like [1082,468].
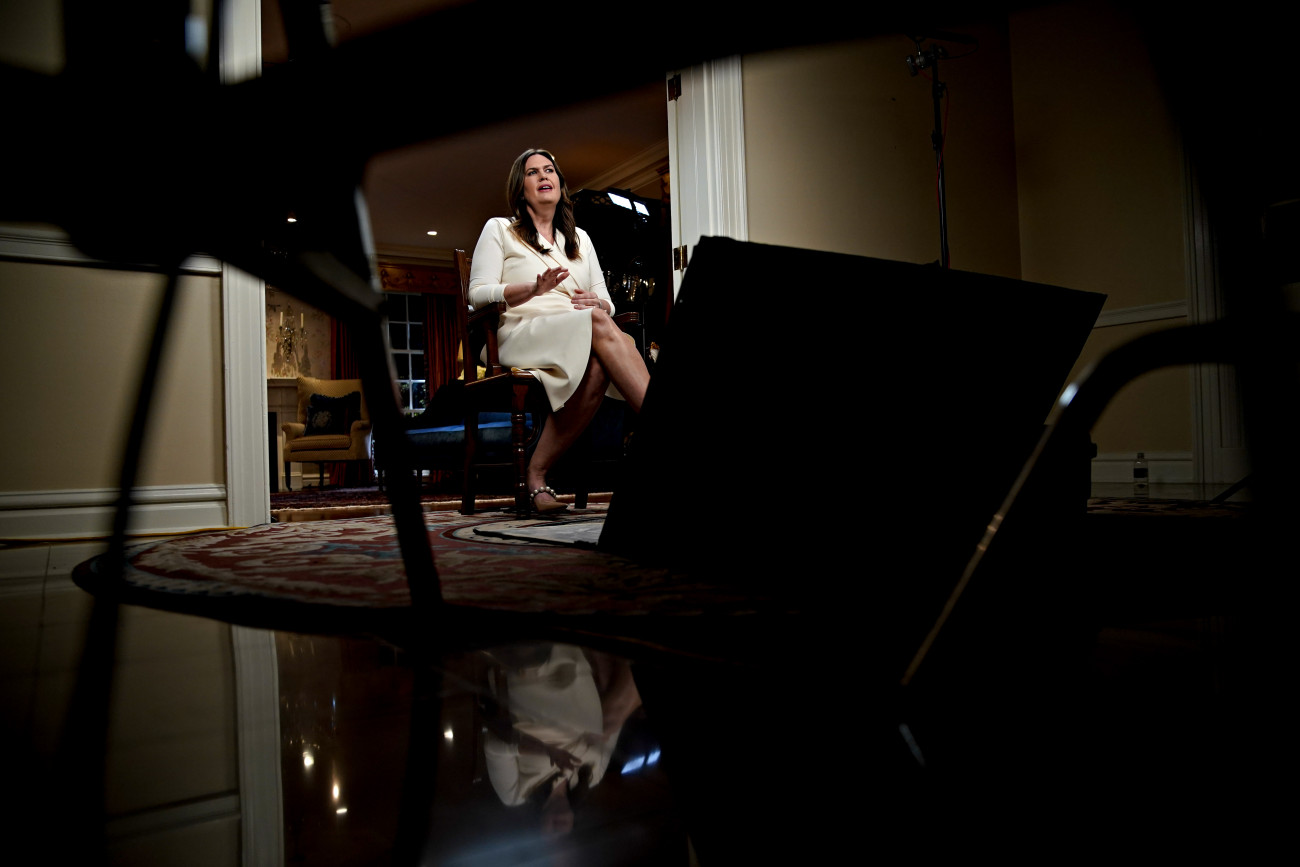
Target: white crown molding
[51,246]
[398,254]
[1142,313]
[636,171]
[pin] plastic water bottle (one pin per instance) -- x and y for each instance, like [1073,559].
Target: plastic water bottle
[1140,475]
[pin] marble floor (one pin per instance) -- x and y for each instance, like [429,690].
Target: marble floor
[228,745]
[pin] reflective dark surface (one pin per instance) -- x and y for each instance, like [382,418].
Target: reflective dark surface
[362,725]
[229,745]
[314,749]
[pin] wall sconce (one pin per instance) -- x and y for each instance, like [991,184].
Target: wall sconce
[290,341]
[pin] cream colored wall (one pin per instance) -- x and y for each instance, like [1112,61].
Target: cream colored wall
[1098,162]
[838,153]
[31,34]
[172,733]
[1062,166]
[1152,413]
[71,342]
[1100,179]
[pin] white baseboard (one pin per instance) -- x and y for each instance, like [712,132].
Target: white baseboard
[1175,468]
[88,514]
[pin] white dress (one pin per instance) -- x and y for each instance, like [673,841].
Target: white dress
[557,703]
[545,335]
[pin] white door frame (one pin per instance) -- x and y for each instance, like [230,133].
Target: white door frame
[1220,455]
[706,157]
[243,315]
[248,486]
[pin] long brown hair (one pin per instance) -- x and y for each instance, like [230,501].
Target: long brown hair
[522,225]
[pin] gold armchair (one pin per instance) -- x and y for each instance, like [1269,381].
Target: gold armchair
[333,425]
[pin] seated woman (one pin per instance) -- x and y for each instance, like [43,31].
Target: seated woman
[558,324]
[555,717]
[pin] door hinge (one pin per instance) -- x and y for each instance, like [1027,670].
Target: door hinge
[674,87]
[679,258]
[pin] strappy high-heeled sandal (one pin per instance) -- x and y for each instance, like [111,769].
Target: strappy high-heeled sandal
[546,508]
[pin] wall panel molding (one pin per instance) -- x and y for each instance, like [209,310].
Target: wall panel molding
[52,246]
[1164,467]
[1142,313]
[88,514]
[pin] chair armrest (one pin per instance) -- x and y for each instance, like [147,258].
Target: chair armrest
[623,320]
[360,427]
[484,322]
[293,430]
[485,316]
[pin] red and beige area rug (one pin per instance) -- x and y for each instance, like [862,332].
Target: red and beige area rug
[348,574]
[322,504]
[1159,506]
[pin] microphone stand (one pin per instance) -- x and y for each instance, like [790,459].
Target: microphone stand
[915,63]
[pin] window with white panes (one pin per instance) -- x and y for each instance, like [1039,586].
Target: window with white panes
[406,335]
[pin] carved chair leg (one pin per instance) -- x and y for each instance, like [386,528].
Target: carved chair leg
[584,451]
[519,442]
[471,446]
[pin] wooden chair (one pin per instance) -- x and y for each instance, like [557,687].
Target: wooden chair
[497,386]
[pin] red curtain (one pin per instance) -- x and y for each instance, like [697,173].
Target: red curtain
[441,347]
[442,344]
[344,365]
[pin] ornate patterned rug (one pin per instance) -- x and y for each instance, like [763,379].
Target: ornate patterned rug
[1158,506]
[348,575]
[321,504]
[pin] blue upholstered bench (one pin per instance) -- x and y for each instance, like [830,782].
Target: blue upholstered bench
[442,446]
[448,441]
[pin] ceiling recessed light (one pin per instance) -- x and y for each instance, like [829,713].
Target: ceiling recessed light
[431,232]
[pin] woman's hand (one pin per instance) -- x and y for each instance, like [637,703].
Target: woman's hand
[549,279]
[582,298]
[521,293]
[561,758]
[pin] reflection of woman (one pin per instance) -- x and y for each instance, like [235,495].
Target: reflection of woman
[562,712]
[558,323]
